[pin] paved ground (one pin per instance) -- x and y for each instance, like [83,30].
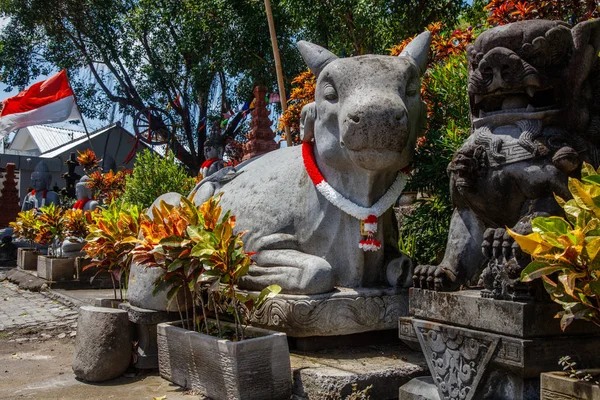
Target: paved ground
[37,342]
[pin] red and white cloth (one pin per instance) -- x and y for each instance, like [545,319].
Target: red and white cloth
[45,102]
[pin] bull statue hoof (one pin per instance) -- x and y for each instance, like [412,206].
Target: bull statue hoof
[319,216]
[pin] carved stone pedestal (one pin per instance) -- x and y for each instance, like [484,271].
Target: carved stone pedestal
[342,312]
[146,353]
[479,348]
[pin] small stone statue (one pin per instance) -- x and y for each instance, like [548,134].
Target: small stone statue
[84,196]
[214,147]
[40,196]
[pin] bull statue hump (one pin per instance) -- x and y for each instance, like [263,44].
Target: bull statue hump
[362,129]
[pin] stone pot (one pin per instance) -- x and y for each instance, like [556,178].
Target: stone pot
[27,258]
[555,385]
[56,268]
[255,368]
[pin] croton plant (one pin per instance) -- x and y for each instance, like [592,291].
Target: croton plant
[201,256]
[112,237]
[566,251]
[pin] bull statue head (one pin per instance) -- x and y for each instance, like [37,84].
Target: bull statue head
[367,109]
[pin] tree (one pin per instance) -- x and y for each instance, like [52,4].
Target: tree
[354,27]
[174,56]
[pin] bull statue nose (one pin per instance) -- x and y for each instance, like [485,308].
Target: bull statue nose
[354,117]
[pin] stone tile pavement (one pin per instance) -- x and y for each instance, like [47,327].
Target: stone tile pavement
[33,314]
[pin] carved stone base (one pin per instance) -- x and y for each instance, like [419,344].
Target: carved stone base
[145,321]
[342,312]
[479,348]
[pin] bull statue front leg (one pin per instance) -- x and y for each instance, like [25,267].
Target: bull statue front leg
[294,271]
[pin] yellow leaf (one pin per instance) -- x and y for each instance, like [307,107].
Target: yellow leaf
[532,244]
[159,398]
[585,195]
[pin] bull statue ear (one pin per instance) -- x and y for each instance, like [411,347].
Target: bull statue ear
[308,116]
[316,57]
[418,50]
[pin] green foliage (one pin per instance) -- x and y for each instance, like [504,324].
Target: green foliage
[177,56]
[26,226]
[354,27]
[448,127]
[425,231]
[569,369]
[154,175]
[112,237]
[566,252]
[201,257]
[50,227]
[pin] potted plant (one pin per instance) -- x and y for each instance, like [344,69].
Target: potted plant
[76,230]
[566,257]
[25,228]
[204,259]
[112,237]
[51,232]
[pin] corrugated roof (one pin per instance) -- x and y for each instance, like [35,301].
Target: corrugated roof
[44,137]
[49,138]
[160,149]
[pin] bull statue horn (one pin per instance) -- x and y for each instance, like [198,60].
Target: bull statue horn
[418,50]
[316,57]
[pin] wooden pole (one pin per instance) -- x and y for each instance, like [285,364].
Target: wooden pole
[280,83]
[81,115]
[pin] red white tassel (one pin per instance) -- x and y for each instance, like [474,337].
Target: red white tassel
[370,224]
[369,244]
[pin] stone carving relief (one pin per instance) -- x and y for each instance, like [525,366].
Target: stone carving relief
[456,358]
[344,312]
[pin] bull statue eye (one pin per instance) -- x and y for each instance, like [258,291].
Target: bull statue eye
[411,91]
[329,93]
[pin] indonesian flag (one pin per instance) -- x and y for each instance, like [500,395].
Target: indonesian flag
[45,102]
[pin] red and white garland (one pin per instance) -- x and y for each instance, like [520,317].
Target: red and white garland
[368,215]
[44,193]
[206,165]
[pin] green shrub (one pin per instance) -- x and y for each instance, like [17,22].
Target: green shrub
[448,127]
[154,175]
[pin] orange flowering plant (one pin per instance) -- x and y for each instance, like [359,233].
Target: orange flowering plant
[112,237]
[88,160]
[202,258]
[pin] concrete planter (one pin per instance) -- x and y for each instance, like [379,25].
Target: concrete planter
[256,368]
[56,269]
[27,258]
[555,385]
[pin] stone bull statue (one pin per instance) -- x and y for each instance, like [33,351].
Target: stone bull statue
[303,207]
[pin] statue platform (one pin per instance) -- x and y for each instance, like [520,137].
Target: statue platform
[331,373]
[491,349]
[341,312]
